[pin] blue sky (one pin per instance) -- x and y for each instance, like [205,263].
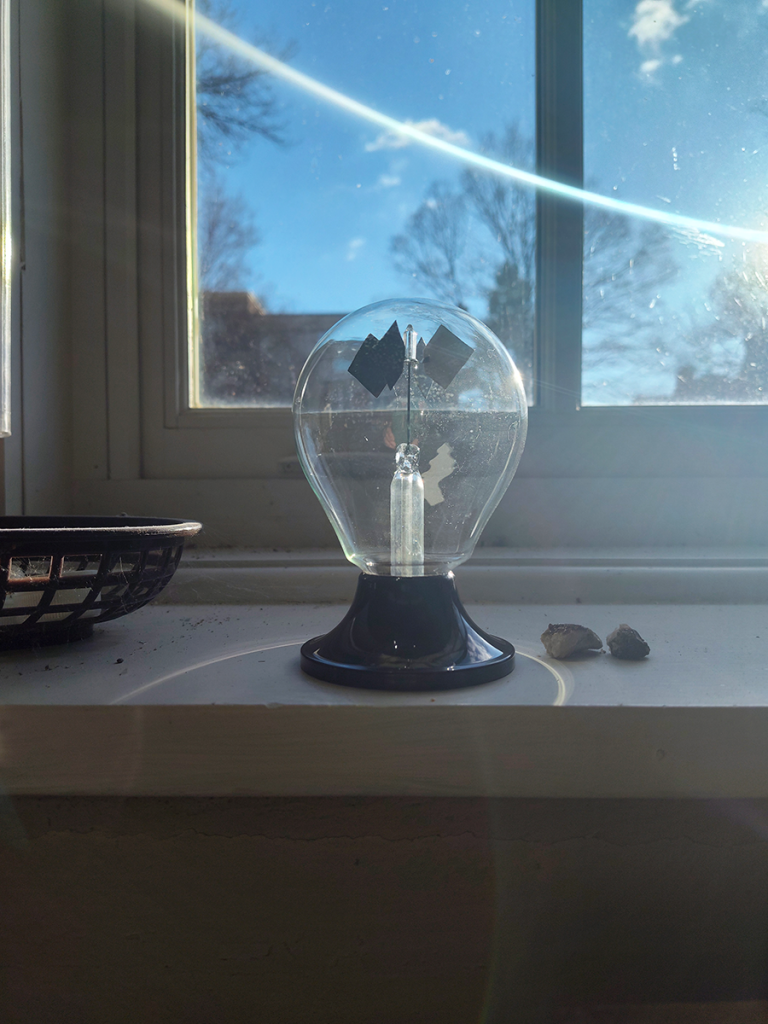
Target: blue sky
[671,106]
[672,91]
[328,202]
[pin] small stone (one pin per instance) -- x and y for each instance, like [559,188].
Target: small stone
[626,643]
[563,639]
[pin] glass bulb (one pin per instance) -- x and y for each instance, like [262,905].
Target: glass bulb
[410,419]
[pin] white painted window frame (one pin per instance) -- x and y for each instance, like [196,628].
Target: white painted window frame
[629,476]
[7,254]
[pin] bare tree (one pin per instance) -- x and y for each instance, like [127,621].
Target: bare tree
[510,313]
[491,225]
[226,233]
[507,210]
[507,213]
[724,351]
[626,265]
[727,340]
[432,251]
[740,300]
[235,101]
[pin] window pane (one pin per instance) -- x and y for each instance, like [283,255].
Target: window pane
[675,118]
[306,211]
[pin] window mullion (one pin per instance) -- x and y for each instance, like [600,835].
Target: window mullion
[559,222]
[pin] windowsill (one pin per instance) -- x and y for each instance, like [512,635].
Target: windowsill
[208,698]
[492,576]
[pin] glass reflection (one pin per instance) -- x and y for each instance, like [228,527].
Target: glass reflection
[675,118]
[304,213]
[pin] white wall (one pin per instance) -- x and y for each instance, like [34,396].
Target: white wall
[38,456]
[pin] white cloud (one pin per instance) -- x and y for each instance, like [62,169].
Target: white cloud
[649,66]
[354,245]
[655,21]
[389,180]
[392,140]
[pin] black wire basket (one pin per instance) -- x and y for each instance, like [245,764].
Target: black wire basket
[60,575]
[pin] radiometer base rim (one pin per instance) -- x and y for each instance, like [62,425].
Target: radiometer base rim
[404,680]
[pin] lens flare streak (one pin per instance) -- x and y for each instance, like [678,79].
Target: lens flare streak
[278,68]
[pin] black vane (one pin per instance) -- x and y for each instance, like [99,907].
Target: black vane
[444,356]
[423,383]
[379,361]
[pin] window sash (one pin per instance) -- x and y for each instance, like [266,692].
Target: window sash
[560,230]
[257,442]
[139,445]
[559,224]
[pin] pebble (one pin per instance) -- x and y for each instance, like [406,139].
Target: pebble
[626,643]
[563,639]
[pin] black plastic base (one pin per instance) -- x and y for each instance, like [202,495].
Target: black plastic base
[407,633]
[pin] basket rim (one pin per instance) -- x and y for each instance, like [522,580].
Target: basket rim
[19,528]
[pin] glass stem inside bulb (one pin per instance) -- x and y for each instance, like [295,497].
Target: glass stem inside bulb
[411,340]
[406,512]
[408,408]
